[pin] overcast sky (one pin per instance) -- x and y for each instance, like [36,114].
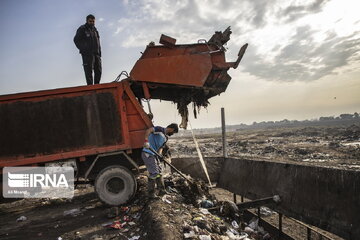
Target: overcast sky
[302,62]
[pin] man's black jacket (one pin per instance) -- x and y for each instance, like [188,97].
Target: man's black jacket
[87,40]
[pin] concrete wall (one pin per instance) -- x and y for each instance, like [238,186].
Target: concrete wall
[323,197]
[193,167]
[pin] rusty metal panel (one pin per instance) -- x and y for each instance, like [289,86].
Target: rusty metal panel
[324,197]
[167,41]
[188,70]
[59,123]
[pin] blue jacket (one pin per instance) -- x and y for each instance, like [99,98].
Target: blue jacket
[156,142]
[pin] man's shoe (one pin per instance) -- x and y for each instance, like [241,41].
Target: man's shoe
[161,186]
[151,189]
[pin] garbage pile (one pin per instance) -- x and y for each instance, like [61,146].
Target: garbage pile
[186,211]
[191,212]
[336,146]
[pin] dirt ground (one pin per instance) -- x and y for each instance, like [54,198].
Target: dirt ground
[178,215]
[335,146]
[183,213]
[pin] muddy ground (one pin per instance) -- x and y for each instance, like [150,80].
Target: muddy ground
[178,214]
[183,213]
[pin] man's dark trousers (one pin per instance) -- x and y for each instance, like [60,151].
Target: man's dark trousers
[92,62]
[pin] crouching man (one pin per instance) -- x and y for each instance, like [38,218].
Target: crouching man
[155,141]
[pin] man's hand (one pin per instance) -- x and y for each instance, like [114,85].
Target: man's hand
[146,145]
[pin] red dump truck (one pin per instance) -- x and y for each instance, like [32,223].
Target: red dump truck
[101,127]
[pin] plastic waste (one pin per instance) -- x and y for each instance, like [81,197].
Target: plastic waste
[21,219]
[206,204]
[235,224]
[134,238]
[254,224]
[189,234]
[204,237]
[73,212]
[204,211]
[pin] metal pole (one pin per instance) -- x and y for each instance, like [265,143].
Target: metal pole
[308,233]
[259,215]
[223,132]
[280,225]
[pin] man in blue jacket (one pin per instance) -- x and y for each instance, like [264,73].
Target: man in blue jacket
[155,141]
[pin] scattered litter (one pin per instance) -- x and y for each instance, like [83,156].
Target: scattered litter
[248,230]
[173,190]
[198,218]
[204,237]
[90,207]
[165,199]
[116,225]
[254,224]
[206,204]
[204,211]
[73,212]
[233,231]
[134,238]
[190,234]
[21,219]
[264,211]
[235,224]
[106,224]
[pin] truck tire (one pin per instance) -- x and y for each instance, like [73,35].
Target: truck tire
[115,185]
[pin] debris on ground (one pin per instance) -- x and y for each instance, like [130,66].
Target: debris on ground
[330,146]
[199,216]
[73,212]
[186,211]
[22,218]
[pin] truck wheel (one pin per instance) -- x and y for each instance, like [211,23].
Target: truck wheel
[115,185]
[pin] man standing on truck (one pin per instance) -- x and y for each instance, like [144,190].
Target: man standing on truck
[87,40]
[155,140]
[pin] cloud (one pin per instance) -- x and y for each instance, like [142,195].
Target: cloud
[294,12]
[284,44]
[304,59]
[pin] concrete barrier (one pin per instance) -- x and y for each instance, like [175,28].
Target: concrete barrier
[192,166]
[324,197]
